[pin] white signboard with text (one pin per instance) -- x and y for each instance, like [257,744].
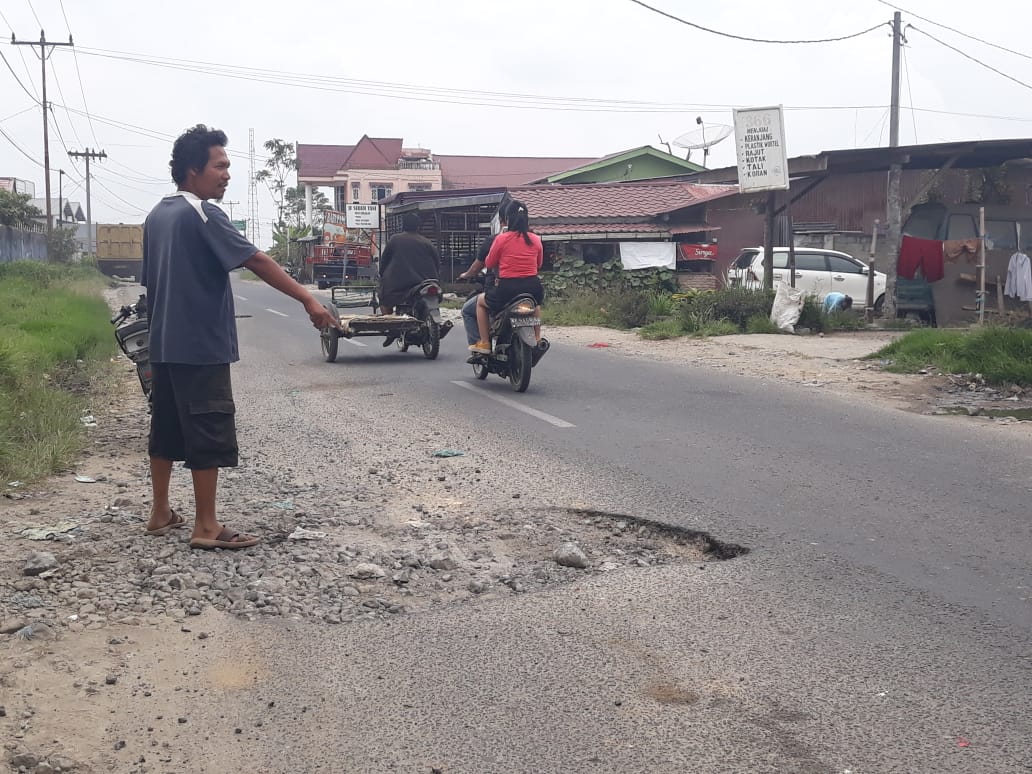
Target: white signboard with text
[363,216]
[760,145]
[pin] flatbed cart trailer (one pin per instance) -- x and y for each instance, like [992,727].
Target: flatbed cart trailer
[346,300]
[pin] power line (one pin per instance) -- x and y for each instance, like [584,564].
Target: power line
[407,91]
[973,59]
[959,32]
[60,90]
[15,115]
[78,73]
[19,148]
[33,97]
[34,13]
[910,91]
[755,40]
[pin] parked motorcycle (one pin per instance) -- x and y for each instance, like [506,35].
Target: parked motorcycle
[132,332]
[514,350]
[424,303]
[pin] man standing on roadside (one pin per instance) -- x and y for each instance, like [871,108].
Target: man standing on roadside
[189,248]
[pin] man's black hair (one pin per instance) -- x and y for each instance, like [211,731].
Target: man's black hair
[192,149]
[410,222]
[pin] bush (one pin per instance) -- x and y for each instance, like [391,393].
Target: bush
[812,316]
[580,307]
[719,328]
[661,329]
[660,305]
[735,306]
[626,309]
[761,323]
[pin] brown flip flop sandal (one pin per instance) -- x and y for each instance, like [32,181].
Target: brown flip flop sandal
[176,523]
[227,539]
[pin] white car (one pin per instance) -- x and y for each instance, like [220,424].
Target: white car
[818,272]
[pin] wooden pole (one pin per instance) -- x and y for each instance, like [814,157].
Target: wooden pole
[999,296]
[791,241]
[981,266]
[768,243]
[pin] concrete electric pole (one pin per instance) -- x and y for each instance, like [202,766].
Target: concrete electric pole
[46,48]
[893,194]
[88,154]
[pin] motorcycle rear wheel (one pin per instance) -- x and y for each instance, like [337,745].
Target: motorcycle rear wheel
[432,340]
[520,356]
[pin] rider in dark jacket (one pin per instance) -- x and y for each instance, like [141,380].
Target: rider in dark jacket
[408,260]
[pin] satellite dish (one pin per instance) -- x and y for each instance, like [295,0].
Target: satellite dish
[702,138]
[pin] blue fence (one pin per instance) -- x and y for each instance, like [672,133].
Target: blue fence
[18,245]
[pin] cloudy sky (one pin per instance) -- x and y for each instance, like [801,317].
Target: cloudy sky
[530,77]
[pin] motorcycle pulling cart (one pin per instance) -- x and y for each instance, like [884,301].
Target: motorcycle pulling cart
[417,322]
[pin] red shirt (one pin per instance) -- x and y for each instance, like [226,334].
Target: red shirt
[513,257]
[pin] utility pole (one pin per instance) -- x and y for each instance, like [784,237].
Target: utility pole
[88,154]
[230,205]
[894,197]
[44,54]
[60,197]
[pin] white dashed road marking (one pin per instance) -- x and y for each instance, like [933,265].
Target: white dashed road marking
[515,404]
[241,298]
[352,341]
[275,312]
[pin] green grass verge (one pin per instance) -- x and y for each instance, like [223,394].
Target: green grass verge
[54,330]
[1001,355]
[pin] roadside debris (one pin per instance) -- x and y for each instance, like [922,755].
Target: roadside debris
[300,533]
[39,562]
[448,453]
[599,345]
[86,479]
[54,532]
[571,555]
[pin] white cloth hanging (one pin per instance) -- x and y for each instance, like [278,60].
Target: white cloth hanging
[1019,277]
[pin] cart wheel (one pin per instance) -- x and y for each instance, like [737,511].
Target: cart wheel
[329,339]
[432,340]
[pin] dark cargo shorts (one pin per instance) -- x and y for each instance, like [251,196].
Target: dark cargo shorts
[192,416]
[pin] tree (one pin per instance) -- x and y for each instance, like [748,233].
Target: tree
[284,249]
[294,205]
[278,166]
[15,210]
[61,245]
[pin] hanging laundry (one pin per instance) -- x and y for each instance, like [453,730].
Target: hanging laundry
[1019,277]
[955,249]
[921,254]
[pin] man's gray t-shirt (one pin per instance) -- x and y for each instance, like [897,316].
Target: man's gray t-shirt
[189,248]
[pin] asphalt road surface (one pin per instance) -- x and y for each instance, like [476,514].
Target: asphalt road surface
[880,622]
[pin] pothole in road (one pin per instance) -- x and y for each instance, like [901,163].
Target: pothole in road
[709,547]
[340,569]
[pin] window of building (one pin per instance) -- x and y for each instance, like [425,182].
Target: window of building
[380,191]
[421,186]
[356,193]
[339,197]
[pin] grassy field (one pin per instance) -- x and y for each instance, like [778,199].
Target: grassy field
[54,331]
[1001,355]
